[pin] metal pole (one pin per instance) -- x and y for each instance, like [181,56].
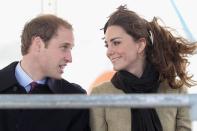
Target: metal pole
[83,101]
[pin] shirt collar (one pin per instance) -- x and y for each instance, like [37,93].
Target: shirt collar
[23,78]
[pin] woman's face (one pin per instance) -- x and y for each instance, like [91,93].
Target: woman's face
[123,51]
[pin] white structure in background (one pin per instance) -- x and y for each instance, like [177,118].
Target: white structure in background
[49,6]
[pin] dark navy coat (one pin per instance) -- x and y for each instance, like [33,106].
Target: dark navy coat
[41,119]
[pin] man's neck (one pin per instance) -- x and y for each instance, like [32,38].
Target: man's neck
[32,69]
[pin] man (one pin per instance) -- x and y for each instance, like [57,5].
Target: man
[47,41]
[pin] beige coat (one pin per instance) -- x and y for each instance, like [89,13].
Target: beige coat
[119,119]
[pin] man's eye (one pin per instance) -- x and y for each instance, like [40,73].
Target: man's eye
[65,47]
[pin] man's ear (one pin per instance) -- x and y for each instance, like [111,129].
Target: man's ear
[142,44]
[37,43]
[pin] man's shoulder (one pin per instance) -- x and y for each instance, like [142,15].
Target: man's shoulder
[78,88]
[66,87]
[72,87]
[7,76]
[9,67]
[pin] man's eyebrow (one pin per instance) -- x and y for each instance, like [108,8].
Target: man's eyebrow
[67,44]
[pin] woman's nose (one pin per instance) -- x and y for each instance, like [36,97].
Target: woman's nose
[110,51]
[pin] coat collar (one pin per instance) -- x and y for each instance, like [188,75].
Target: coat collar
[8,79]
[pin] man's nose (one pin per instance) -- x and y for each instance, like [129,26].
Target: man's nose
[68,57]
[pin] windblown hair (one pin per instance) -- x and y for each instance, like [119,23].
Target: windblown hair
[44,26]
[167,52]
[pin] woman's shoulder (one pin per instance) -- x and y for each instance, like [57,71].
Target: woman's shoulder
[106,87]
[165,88]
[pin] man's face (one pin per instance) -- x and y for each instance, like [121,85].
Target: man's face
[54,57]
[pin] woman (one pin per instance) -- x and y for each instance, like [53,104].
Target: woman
[148,59]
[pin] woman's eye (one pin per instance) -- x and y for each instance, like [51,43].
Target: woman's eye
[116,42]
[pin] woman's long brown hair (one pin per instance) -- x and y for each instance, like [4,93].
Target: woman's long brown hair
[167,52]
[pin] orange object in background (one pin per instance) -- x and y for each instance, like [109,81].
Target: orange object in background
[106,76]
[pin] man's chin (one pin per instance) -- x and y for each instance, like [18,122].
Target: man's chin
[58,77]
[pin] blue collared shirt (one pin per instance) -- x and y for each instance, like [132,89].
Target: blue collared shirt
[23,79]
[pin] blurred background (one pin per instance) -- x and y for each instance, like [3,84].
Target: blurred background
[90,64]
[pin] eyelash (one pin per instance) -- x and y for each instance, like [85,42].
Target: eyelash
[64,48]
[115,43]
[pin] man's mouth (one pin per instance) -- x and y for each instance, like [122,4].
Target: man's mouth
[61,67]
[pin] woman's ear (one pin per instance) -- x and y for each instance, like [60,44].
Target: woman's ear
[142,44]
